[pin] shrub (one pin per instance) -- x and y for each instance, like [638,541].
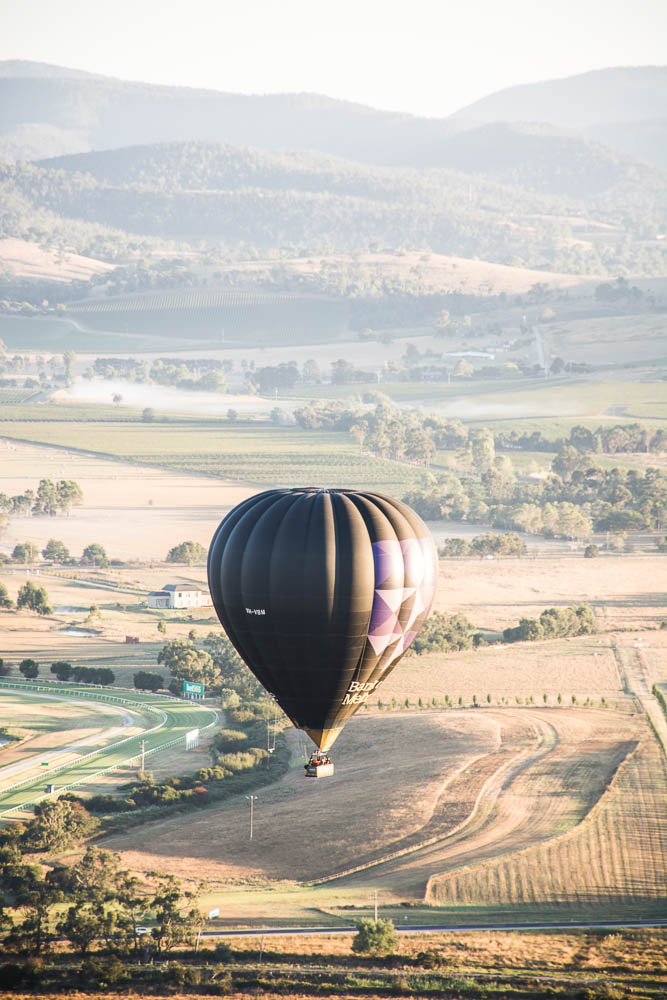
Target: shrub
[591,552]
[375,938]
[29,669]
[144,680]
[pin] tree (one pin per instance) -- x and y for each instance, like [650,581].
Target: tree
[232,415]
[148,415]
[69,358]
[144,680]
[375,937]
[62,670]
[5,599]
[35,598]
[162,626]
[55,551]
[25,552]
[94,555]
[591,551]
[5,669]
[46,499]
[173,926]
[187,552]
[83,925]
[443,632]
[483,449]
[463,369]
[29,669]
[57,825]
[68,495]
[117,398]
[187,663]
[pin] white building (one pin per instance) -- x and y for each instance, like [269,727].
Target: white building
[176,595]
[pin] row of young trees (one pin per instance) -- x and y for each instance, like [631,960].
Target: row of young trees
[63,671]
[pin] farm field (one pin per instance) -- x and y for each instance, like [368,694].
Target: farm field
[519,400]
[438,788]
[263,454]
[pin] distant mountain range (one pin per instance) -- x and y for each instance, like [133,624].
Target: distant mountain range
[113,160]
[50,110]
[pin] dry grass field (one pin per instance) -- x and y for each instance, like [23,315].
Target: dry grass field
[22,259]
[436,272]
[627,591]
[436,789]
[134,512]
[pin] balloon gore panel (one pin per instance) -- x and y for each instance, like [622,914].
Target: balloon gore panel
[322,592]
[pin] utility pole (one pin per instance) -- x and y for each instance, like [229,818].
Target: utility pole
[252,813]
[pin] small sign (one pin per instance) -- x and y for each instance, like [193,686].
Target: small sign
[45,763]
[192,687]
[215,912]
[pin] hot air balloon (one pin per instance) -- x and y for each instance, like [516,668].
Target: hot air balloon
[321,592]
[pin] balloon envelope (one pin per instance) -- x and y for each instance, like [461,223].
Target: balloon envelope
[321,592]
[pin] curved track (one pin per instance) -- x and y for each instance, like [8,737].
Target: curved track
[158,722]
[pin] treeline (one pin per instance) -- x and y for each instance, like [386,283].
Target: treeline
[607,440]
[64,671]
[50,498]
[309,202]
[577,498]
[506,544]
[554,623]
[451,434]
[93,902]
[202,374]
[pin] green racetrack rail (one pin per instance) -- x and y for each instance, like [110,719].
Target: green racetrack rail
[172,717]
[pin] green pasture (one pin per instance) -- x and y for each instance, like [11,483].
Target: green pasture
[257,454]
[172,716]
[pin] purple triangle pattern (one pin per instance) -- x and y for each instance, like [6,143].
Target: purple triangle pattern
[405,578]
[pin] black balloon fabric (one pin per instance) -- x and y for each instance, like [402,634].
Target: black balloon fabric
[321,592]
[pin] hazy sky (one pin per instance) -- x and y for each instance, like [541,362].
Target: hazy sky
[428,57]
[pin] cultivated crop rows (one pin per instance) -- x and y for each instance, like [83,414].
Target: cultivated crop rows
[616,857]
[186,299]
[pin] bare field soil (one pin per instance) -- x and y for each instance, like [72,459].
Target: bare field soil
[627,591]
[134,512]
[469,784]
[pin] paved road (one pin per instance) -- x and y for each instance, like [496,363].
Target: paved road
[573,925]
